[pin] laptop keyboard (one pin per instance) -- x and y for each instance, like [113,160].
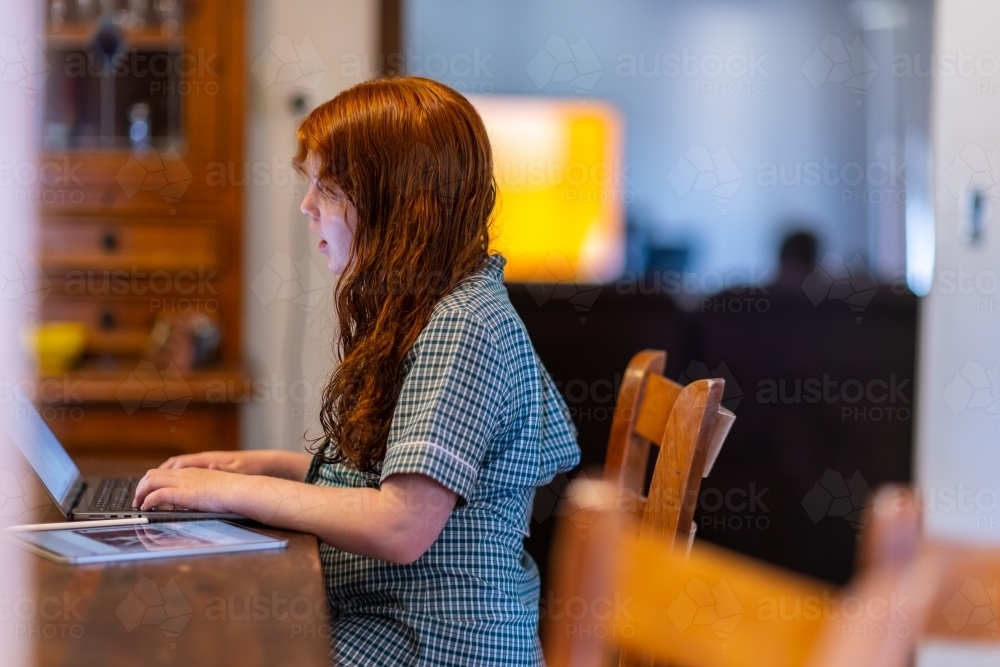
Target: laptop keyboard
[114,495]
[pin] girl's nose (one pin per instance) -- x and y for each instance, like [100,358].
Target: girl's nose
[308,206]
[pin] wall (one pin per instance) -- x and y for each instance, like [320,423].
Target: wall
[681,73]
[306,50]
[958,438]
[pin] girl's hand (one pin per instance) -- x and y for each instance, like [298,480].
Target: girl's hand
[242,462]
[272,462]
[191,488]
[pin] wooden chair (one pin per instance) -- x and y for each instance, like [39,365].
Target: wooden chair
[635,591]
[688,424]
[600,558]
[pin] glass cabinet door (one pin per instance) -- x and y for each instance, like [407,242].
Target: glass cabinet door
[117,68]
[138,98]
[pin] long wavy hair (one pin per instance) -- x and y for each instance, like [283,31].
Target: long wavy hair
[413,157]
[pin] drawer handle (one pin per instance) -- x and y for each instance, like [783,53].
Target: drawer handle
[109,242]
[108,320]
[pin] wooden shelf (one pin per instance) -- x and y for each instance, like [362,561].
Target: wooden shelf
[78,35]
[130,381]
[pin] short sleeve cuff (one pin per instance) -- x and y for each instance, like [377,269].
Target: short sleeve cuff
[433,460]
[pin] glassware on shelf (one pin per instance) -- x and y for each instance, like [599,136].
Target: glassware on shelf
[130,15]
[169,27]
[166,8]
[139,131]
[168,12]
[87,10]
[57,14]
[136,14]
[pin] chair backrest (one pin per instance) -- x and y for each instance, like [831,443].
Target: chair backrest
[717,608]
[639,593]
[645,400]
[687,423]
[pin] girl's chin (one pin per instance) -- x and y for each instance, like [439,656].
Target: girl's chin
[335,267]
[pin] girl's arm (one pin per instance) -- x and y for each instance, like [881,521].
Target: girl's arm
[396,523]
[273,462]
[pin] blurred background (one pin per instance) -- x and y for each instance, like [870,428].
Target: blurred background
[747,185]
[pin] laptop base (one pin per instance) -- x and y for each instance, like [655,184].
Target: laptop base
[83,511]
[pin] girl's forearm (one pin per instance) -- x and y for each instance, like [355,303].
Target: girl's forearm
[359,520]
[287,465]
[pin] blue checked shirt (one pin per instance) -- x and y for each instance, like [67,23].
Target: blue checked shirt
[479,414]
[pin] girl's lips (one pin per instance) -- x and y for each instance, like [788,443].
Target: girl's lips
[322,246]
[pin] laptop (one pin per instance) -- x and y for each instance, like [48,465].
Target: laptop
[78,497]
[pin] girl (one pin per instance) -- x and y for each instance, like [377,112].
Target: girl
[439,421]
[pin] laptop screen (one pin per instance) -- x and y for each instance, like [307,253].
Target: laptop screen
[42,449]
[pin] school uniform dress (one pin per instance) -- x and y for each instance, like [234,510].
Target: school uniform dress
[479,414]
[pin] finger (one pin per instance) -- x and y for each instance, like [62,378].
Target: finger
[170,494]
[164,495]
[152,480]
[179,496]
[183,461]
[141,490]
[199,460]
[190,461]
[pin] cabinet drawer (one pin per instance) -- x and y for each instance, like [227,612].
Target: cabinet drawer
[115,245]
[113,326]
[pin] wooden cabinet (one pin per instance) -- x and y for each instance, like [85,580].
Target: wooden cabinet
[142,110]
[86,248]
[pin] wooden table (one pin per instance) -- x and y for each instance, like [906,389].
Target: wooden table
[257,608]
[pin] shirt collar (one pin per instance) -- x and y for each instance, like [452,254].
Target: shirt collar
[494,267]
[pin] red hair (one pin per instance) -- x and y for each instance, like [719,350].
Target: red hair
[413,157]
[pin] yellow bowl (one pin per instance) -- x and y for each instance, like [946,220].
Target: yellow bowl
[57,346]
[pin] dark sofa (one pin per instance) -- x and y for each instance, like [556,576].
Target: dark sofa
[823,396]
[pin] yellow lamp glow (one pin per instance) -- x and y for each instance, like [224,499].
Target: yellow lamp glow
[559,167]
